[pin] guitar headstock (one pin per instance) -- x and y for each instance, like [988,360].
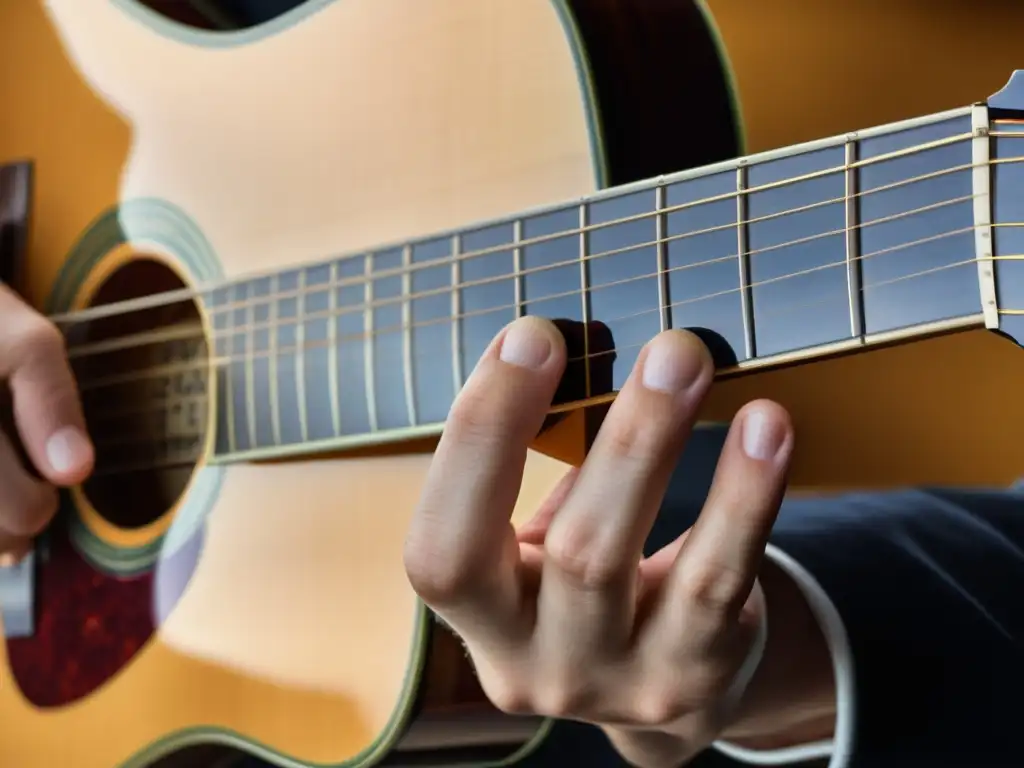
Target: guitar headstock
[1005,169]
[1011,95]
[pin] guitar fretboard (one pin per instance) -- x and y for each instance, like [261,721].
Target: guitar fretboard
[780,256]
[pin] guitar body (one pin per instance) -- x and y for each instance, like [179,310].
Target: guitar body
[242,610]
[263,604]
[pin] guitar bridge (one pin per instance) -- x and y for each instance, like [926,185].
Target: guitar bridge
[17,597]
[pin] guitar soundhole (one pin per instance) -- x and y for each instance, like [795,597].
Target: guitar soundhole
[219,16]
[143,375]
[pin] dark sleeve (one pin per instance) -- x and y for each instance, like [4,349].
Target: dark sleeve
[927,585]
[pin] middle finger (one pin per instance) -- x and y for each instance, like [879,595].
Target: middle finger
[595,543]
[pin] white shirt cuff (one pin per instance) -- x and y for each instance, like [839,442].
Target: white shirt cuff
[840,747]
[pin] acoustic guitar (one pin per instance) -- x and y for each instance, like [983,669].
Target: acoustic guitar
[276,253]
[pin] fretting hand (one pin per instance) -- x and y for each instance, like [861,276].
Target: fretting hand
[47,416]
[566,618]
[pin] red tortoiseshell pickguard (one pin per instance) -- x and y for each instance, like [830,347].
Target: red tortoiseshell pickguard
[88,627]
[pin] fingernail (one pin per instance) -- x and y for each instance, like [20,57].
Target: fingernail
[762,435]
[673,364]
[526,344]
[67,450]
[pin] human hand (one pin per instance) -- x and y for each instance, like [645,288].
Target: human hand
[565,618]
[48,420]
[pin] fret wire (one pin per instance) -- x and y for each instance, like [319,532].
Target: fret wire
[743,260]
[410,395]
[677,238]
[147,373]
[807,354]
[704,172]
[662,256]
[841,198]
[250,366]
[585,296]
[981,183]
[840,231]
[275,401]
[457,379]
[687,235]
[104,381]
[369,378]
[517,267]
[300,357]
[332,351]
[95,348]
[853,265]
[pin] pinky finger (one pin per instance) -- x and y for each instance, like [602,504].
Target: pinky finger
[717,565]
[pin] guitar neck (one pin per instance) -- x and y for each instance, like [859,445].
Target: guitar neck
[827,247]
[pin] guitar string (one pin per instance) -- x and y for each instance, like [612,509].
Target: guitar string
[128,306]
[863,288]
[91,383]
[196,440]
[186,294]
[170,334]
[160,405]
[195,331]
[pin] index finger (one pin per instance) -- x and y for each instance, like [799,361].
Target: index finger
[461,553]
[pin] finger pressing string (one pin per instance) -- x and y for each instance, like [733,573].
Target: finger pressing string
[595,544]
[461,554]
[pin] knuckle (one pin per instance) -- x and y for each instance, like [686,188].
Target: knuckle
[635,440]
[506,695]
[477,418]
[563,700]
[436,579]
[574,549]
[717,588]
[658,707]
